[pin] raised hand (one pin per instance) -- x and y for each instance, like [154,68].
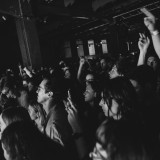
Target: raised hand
[143,43]
[73,117]
[149,20]
[82,61]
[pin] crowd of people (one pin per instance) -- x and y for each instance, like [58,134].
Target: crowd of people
[102,108]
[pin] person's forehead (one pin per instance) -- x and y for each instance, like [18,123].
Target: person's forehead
[43,83]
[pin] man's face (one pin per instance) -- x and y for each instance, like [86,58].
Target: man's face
[42,94]
[103,64]
[152,62]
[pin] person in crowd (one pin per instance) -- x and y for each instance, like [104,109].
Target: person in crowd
[11,115]
[92,113]
[119,99]
[83,68]
[123,140]
[15,92]
[122,67]
[106,64]
[23,141]
[37,114]
[144,43]
[143,79]
[50,96]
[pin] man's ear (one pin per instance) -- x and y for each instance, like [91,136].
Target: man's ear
[50,94]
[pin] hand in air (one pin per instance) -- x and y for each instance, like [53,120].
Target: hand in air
[143,42]
[149,20]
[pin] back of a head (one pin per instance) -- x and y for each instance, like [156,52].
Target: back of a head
[22,140]
[123,140]
[55,84]
[14,114]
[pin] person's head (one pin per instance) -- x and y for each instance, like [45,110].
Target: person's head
[36,113]
[121,67]
[106,63]
[92,92]
[67,73]
[32,84]
[23,141]
[9,89]
[103,63]
[19,141]
[153,62]
[113,73]
[49,88]
[91,76]
[93,87]
[118,98]
[11,115]
[120,140]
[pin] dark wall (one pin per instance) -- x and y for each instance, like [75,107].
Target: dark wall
[10,54]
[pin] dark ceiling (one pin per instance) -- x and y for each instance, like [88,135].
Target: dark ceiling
[82,18]
[85,18]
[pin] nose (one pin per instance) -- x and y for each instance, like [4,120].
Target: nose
[100,103]
[37,90]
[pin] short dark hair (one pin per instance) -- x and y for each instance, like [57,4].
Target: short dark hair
[14,114]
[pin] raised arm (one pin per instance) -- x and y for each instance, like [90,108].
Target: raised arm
[150,22]
[143,45]
[80,69]
[77,129]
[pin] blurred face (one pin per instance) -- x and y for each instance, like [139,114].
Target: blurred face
[2,125]
[9,93]
[42,96]
[89,78]
[103,64]
[5,153]
[30,86]
[113,73]
[113,111]
[32,113]
[67,74]
[98,153]
[152,62]
[89,94]
[25,84]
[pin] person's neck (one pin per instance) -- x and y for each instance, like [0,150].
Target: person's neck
[48,105]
